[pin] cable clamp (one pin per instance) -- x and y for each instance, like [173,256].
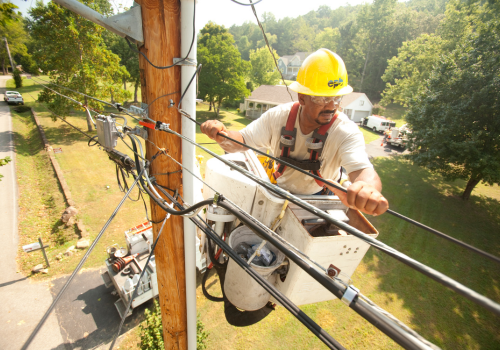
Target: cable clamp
[185,62]
[350,293]
[163,126]
[216,198]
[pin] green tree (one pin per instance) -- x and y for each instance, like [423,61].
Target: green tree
[406,73]
[222,76]
[72,51]
[454,118]
[12,28]
[328,38]
[129,59]
[263,70]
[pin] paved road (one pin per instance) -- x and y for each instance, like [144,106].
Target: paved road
[23,303]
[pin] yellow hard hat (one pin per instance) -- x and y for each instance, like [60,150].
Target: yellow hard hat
[322,73]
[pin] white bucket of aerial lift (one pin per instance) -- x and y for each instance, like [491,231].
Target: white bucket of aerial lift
[241,289]
[343,251]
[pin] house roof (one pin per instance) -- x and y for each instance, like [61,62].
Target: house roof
[273,94]
[350,98]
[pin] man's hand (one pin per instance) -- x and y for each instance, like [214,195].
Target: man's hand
[212,127]
[363,197]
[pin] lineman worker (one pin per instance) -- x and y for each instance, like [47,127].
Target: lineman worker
[313,135]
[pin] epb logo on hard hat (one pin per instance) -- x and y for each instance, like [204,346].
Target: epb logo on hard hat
[335,83]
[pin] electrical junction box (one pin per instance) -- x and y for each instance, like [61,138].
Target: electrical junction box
[107,134]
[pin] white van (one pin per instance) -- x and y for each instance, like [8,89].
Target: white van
[377,123]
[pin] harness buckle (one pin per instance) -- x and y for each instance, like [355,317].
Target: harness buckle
[292,134]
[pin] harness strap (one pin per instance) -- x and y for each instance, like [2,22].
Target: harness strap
[320,135]
[288,132]
[314,144]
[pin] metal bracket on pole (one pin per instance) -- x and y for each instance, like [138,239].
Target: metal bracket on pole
[127,24]
[184,62]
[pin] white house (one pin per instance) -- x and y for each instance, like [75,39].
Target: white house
[289,65]
[265,97]
[356,105]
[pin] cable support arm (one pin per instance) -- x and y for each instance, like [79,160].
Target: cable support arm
[436,275]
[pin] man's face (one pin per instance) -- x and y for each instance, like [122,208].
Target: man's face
[319,110]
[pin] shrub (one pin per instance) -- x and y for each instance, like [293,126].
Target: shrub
[258,105]
[238,110]
[18,80]
[378,110]
[152,331]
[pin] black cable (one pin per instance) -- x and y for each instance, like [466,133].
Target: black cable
[267,44]
[170,93]
[204,289]
[436,275]
[379,320]
[134,294]
[74,127]
[249,4]
[188,85]
[157,201]
[280,297]
[116,105]
[338,187]
[182,60]
[96,141]
[78,267]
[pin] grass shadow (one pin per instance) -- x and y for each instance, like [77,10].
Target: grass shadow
[440,315]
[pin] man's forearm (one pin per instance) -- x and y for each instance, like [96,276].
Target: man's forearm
[230,146]
[367,175]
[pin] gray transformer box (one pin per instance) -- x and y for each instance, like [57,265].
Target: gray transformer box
[107,134]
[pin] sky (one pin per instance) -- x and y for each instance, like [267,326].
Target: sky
[227,13]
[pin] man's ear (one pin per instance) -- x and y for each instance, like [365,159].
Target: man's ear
[302,99]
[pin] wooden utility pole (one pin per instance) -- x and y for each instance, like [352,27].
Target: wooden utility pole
[161,27]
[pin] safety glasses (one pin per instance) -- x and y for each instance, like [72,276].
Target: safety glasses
[324,100]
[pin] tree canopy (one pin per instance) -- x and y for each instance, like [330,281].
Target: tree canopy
[454,116]
[263,70]
[72,52]
[223,72]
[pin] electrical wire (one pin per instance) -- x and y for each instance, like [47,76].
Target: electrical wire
[116,105]
[338,187]
[436,275]
[175,64]
[288,247]
[267,44]
[134,294]
[79,266]
[248,4]
[280,297]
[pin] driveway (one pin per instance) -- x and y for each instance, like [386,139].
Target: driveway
[374,149]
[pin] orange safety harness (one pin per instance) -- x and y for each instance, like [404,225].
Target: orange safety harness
[314,144]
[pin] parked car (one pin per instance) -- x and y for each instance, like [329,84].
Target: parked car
[13,97]
[377,123]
